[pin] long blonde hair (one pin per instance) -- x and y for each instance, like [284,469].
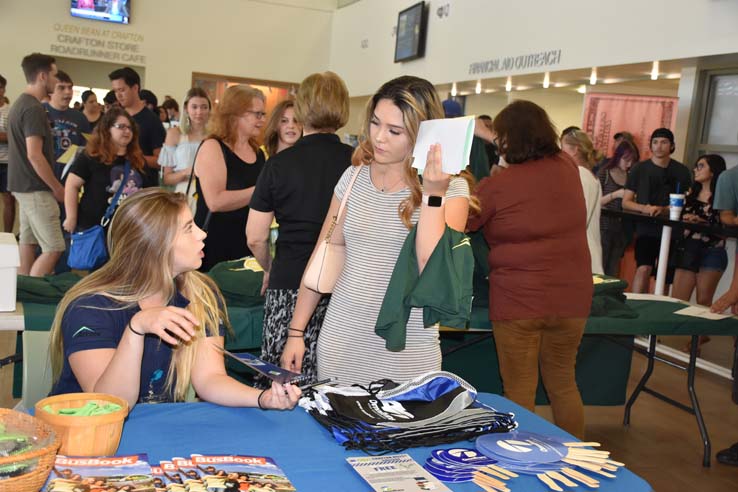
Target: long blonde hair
[418,101]
[144,229]
[185,123]
[587,152]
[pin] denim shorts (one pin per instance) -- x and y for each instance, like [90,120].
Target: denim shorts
[694,255]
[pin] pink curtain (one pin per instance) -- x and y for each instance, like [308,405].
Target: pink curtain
[607,114]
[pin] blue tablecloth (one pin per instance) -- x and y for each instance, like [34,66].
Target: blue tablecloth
[310,457]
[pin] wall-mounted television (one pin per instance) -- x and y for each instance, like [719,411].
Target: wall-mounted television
[411,31]
[117,11]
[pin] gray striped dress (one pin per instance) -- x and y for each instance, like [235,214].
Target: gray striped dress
[348,348]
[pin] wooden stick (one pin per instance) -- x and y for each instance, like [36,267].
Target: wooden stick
[548,481]
[590,459]
[494,473]
[581,477]
[616,463]
[578,444]
[585,452]
[503,470]
[561,478]
[484,487]
[490,481]
[582,464]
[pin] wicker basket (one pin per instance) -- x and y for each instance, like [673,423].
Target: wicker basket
[45,454]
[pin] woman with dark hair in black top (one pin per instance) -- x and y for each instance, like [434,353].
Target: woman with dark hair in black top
[701,258]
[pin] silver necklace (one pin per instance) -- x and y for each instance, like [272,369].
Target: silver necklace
[383,187]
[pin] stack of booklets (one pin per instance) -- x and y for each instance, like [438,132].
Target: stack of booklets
[197,473]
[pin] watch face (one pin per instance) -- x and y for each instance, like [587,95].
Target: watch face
[435,201]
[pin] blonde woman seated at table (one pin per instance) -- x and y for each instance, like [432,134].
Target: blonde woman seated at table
[147,324]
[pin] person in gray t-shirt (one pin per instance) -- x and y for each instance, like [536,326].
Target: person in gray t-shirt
[68,126]
[30,173]
[7,199]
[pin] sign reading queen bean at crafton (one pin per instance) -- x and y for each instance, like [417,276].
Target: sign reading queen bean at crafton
[97,43]
[541,59]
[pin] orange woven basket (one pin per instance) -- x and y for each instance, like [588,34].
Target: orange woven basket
[46,454]
[95,435]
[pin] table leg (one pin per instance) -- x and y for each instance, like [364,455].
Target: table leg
[735,370]
[691,368]
[642,383]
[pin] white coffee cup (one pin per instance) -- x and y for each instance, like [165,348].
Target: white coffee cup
[676,204]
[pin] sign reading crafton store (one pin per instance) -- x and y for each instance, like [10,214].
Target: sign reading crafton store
[102,44]
[521,62]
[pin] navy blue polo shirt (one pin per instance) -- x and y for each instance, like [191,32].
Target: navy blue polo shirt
[98,322]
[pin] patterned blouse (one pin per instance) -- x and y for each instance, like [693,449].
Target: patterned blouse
[705,212]
[609,186]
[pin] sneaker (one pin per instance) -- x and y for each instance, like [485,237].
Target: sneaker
[728,456]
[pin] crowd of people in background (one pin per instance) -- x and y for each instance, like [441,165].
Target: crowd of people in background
[237,169]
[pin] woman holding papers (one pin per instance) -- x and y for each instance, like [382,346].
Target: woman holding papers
[540,274]
[385,202]
[146,331]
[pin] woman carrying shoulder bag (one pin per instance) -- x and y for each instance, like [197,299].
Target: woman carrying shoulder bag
[100,170]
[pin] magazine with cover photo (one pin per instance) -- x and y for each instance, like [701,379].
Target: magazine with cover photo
[97,473]
[167,477]
[190,474]
[233,473]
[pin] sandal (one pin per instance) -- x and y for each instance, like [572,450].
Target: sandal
[728,456]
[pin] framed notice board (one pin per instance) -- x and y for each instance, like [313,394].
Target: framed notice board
[412,26]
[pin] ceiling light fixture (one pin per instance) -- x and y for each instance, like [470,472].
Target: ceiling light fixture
[546,80]
[508,84]
[593,76]
[582,89]
[478,88]
[453,89]
[655,70]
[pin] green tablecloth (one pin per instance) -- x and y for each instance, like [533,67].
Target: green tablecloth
[654,318]
[603,368]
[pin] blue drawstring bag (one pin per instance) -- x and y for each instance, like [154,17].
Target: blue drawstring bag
[88,250]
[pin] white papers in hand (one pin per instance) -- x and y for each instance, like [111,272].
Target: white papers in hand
[455,136]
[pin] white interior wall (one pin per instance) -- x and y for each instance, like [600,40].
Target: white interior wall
[588,32]
[281,41]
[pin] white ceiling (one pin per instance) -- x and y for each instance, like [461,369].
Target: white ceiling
[633,74]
